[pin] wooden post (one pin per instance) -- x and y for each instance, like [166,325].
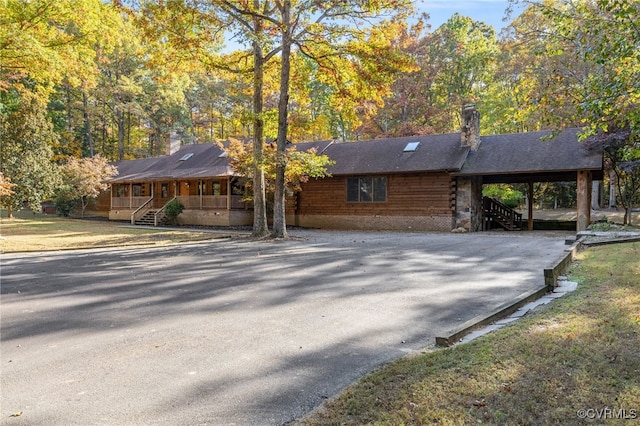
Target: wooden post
[531,201]
[583,200]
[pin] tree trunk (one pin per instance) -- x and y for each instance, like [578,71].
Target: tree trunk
[260,226]
[627,215]
[279,214]
[612,188]
[120,123]
[595,195]
[9,212]
[87,123]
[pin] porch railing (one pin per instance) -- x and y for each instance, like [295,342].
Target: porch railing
[128,202]
[159,215]
[238,203]
[142,210]
[211,201]
[204,201]
[214,202]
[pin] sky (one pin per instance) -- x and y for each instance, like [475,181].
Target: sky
[488,11]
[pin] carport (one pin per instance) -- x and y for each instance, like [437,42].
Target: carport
[530,158]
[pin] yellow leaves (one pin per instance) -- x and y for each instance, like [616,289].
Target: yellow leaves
[52,40]
[301,165]
[5,186]
[87,176]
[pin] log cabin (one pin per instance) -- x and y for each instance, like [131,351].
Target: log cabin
[419,183]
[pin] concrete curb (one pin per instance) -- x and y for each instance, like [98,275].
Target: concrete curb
[454,336]
[551,277]
[612,241]
[552,273]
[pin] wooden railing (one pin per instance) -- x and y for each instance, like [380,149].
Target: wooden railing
[496,212]
[128,202]
[212,202]
[203,202]
[159,215]
[238,203]
[140,211]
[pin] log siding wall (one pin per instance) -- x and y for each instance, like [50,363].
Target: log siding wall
[414,201]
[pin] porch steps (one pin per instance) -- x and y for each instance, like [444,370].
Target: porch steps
[148,219]
[496,213]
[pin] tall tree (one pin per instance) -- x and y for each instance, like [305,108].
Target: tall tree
[462,54]
[603,40]
[51,40]
[207,20]
[26,136]
[307,25]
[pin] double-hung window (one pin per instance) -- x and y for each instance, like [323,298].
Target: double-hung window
[367,189]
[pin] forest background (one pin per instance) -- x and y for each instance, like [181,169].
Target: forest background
[120,79]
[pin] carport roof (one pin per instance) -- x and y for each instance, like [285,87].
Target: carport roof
[533,153]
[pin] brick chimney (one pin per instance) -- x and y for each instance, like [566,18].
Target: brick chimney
[470,132]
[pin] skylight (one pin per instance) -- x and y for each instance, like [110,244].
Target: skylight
[186,156]
[411,146]
[224,154]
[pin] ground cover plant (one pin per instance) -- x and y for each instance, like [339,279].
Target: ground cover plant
[34,232]
[575,361]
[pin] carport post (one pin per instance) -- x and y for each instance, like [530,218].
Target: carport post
[530,205]
[583,200]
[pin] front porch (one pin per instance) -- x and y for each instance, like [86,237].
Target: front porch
[213,202]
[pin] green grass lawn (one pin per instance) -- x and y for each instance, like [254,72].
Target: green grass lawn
[577,357]
[35,232]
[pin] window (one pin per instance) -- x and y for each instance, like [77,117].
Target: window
[411,146]
[164,190]
[367,189]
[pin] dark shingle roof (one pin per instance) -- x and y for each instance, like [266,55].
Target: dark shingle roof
[518,153]
[433,153]
[528,153]
[205,162]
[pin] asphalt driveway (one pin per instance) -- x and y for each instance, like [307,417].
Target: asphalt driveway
[238,331]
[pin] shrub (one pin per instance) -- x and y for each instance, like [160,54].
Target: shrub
[173,210]
[504,193]
[64,202]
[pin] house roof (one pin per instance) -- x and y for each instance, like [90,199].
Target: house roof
[190,161]
[510,157]
[429,153]
[531,153]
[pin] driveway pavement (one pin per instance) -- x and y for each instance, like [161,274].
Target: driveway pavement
[238,331]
